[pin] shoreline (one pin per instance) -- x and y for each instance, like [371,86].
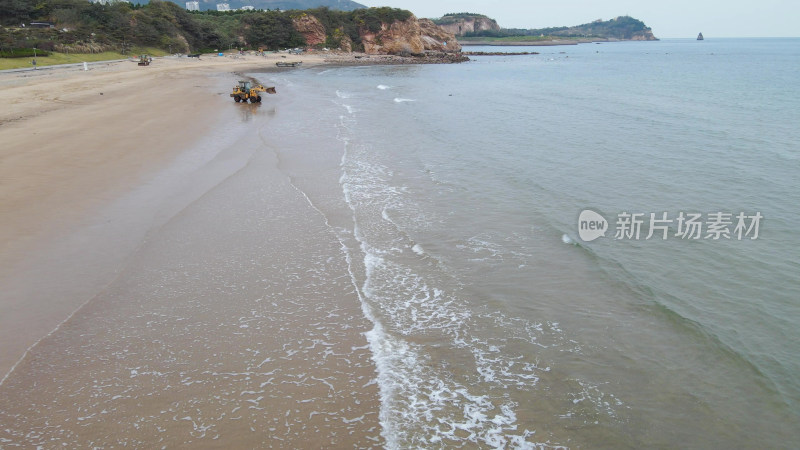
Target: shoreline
[126,164]
[543,43]
[77,140]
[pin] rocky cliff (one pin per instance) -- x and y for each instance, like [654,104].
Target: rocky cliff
[437,38]
[461,25]
[644,35]
[411,36]
[311,28]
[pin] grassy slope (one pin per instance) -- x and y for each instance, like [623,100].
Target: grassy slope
[64,58]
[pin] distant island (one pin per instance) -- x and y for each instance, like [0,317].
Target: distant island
[478,29]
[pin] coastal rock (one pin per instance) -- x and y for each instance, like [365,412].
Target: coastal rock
[437,38]
[469,24]
[400,37]
[311,29]
[345,44]
[362,59]
[408,37]
[644,35]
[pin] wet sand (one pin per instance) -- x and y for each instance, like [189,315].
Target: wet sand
[173,303]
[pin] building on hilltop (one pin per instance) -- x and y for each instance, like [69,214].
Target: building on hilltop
[247,8]
[223,7]
[193,6]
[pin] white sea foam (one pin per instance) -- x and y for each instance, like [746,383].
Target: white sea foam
[383,87]
[403,100]
[423,402]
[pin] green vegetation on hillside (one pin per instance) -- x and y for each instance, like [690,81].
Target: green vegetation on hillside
[455,17]
[350,23]
[623,27]
[83,27]
[371,18]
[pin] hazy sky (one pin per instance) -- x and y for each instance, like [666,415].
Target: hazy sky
[667,18]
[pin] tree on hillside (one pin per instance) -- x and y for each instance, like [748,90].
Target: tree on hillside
[270,29]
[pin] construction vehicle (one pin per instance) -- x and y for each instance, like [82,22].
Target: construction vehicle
[246,91]
[145,60]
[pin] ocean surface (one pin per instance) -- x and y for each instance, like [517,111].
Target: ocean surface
[391,256]
[494,323]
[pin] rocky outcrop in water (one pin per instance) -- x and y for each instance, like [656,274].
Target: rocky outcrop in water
[362,59]
[644,35]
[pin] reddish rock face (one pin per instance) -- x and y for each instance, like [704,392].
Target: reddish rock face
[346,44]
[311,29]
[408,37]
[411,36]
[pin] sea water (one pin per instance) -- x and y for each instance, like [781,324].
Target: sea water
[495,324]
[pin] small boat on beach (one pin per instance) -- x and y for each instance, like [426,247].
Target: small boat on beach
[288,64]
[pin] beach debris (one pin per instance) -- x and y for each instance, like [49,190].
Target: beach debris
[145,60]
[245,91]
[288,64]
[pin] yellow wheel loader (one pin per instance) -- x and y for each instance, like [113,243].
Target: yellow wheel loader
[246,91]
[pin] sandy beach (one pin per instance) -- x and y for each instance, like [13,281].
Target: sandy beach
[93,162]
[74,140]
